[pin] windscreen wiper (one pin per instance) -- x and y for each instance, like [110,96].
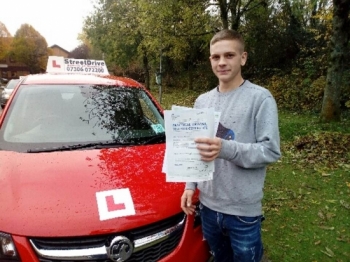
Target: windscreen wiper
[96,145]
[160,138]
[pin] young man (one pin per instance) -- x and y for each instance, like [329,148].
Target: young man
[246,142]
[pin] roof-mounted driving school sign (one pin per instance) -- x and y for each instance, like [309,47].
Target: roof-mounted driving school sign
[59,64]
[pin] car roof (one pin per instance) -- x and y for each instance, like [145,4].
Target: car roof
[49,78]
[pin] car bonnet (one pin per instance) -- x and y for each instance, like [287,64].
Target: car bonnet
[84,192]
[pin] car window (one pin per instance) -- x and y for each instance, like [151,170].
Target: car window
[43,116]
[12,84]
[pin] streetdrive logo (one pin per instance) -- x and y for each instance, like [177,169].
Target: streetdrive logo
[59,64]
[115,203]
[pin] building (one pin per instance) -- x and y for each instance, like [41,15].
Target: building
[11,69]
[59,51]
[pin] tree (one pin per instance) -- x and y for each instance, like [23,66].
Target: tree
[179,37]
[93,51]
[30,48]
[4,43]
[80,52]
[232,12]
[3,31]
[139,32]
[113,30]
[331,101]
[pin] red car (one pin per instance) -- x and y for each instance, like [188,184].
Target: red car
[80,173]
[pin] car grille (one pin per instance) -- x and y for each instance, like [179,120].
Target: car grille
[145,250]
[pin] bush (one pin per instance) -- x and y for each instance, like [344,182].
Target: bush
[296,93]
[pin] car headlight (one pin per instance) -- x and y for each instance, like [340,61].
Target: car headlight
[7,248]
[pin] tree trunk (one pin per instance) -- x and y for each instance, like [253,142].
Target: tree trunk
[235,14]
[146,71]
[190,78]
[223,13]
[331,99]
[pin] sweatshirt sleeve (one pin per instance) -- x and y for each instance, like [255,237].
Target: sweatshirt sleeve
[266,147]
[191,185]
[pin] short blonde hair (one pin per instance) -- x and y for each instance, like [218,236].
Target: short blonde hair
[228,34]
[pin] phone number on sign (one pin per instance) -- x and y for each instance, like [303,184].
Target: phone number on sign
[85,69]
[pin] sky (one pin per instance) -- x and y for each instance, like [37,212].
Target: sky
[58,21]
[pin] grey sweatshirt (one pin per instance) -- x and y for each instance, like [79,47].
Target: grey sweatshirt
[250,141]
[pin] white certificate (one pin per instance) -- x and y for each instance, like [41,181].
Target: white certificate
[182,160]
[216,114]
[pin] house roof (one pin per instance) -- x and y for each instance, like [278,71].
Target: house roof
[57,46]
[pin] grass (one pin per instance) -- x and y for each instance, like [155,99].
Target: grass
[307,192]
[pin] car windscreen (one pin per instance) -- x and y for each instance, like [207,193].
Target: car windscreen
[70,116]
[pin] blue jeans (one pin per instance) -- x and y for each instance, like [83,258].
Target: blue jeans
[232,238]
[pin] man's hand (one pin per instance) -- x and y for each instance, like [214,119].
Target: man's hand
[186,202]
[209,148]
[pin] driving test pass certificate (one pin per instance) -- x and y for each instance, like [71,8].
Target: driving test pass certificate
[183,161]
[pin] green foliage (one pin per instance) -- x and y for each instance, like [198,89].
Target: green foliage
[297,92]
[130,32]
[80,52]
[4,43]
[112,28]
[287,44]
[174,96]
[30,48]
[295,125]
